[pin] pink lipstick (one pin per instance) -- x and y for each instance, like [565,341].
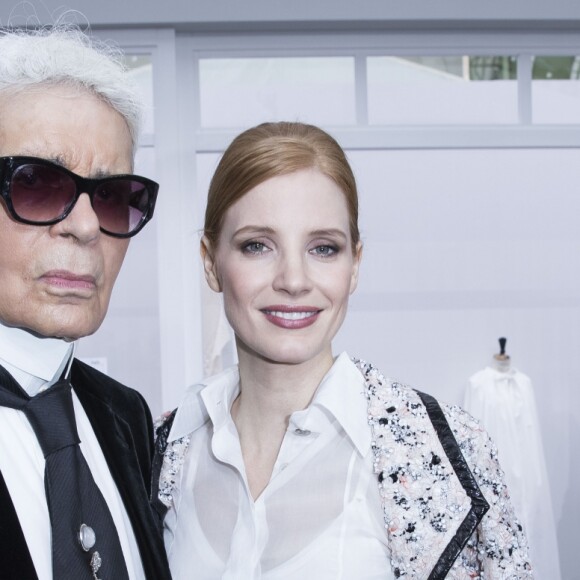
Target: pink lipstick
[291,317]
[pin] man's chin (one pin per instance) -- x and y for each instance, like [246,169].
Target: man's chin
[69,331]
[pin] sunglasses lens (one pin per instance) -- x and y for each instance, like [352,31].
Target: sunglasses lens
[41,193]
[121,205]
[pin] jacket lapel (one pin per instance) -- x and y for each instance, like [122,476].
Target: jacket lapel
[15,558]
[116,440]
[430,501]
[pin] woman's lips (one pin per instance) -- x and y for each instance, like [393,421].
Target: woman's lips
[291,317]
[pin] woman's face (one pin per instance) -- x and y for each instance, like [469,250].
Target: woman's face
[285,265]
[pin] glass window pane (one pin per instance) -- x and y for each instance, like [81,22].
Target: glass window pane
[556,89]
[442,90]
[141,70]
[241,92]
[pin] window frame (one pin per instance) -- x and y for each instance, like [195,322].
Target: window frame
[521,45]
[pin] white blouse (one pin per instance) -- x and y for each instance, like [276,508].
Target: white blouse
[319,517]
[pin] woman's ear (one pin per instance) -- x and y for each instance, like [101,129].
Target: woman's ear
[355,266]
[209,264]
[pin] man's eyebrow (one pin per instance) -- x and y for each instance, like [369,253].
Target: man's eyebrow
[56,159]
[62,161]
[100,173]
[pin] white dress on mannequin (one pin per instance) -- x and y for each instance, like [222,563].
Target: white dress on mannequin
[502,398]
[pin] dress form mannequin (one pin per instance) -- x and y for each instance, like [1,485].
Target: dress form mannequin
[503,399]
[501,362]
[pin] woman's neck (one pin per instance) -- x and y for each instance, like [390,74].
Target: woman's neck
[269,394]
[277,389]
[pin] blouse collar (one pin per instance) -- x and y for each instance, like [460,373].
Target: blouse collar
[340,394]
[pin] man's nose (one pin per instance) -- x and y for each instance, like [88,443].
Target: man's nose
[81,223]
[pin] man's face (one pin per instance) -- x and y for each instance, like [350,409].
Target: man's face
[57,280]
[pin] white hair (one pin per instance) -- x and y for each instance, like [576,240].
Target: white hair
[64,54]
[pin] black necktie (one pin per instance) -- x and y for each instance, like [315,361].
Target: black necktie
[85,543]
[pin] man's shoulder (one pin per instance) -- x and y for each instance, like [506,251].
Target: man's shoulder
[90,381]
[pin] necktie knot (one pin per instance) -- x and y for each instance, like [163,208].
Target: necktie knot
[51,415]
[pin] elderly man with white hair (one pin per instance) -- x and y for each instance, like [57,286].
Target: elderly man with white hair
[75,445]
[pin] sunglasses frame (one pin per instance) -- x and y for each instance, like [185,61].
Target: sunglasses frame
[8,165]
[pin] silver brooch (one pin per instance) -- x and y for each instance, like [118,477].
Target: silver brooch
[95,564]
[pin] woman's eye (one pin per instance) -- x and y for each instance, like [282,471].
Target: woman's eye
[325,251]
[254,248]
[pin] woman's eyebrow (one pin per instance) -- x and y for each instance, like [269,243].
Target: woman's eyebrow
[331,232]
[254,230]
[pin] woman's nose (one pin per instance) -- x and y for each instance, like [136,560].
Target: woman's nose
[292,275]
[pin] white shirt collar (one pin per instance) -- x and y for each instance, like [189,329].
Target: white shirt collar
[32,360]
[497,374]
[340,393]
[215,391]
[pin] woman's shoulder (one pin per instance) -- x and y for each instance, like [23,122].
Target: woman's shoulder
[162,426]
[168,461]
[396,403]
[436,445]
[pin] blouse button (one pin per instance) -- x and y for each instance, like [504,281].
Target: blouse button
[302,432]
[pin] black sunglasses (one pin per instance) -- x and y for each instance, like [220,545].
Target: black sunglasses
[42,193]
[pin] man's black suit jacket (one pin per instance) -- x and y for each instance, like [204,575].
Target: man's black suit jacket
[122,423]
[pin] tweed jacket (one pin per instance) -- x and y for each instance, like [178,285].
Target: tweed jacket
[446,507]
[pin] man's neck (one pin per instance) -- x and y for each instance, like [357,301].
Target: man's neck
[32,360]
